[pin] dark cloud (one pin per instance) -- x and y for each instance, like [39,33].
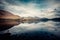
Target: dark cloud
[58,1]
[1,7]
[57,11]
[12,2]
[16,2]
[39,1]
[25,1]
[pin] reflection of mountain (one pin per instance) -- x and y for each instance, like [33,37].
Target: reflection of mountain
[55,19]
[37,19]
[8,20]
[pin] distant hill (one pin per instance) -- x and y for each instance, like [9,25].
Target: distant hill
[8,20]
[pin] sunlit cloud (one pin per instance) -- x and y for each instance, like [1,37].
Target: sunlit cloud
[31,8]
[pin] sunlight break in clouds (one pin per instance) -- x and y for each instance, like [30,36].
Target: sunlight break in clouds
[30,10]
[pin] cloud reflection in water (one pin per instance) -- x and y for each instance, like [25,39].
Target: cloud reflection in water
[45,26]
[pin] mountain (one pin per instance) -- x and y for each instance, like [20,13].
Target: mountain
[8,20]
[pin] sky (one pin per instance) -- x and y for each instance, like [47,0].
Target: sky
[39,8]
[33,8]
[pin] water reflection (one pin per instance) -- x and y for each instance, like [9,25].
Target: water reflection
[47,25]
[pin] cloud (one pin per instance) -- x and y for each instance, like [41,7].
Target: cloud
[40,8]
[1,5]
[57,11]
[25,11]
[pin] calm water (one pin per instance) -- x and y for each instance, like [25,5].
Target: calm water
[50,26]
